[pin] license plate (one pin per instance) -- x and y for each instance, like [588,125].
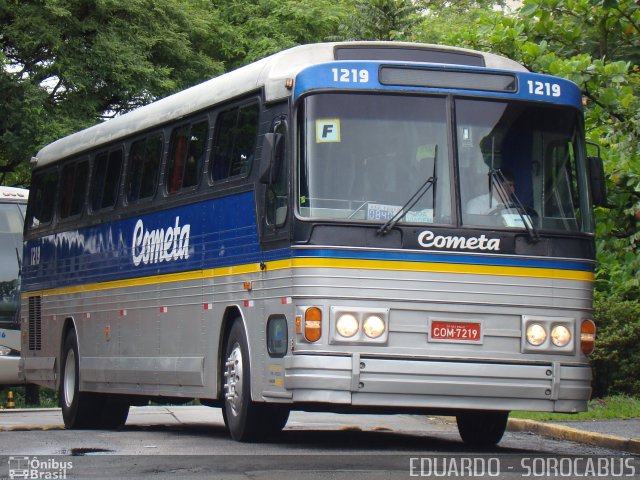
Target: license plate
[463,332]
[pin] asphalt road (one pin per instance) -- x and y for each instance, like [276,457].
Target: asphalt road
[191,442]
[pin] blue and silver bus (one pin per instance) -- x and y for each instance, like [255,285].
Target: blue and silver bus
[13,204]
[351,227]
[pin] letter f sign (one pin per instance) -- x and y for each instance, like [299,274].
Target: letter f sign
[328,131]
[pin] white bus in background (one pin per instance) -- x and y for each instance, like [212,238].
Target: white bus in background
[13,204]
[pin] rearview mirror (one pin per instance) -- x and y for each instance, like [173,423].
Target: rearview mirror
[596,179]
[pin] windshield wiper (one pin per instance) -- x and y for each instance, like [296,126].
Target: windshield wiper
[415,198]
[511,202]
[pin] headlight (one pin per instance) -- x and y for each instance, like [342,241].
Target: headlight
[4,351]
[373,326]
[347,325]
[560,335]
[536,334]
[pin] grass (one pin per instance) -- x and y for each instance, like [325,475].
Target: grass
[614,407]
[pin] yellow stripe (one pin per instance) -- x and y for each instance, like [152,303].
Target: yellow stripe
[337,263]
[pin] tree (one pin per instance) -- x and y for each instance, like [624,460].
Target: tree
[67,64]
[383,20]
[264,27]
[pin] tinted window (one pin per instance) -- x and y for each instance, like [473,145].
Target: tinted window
[73,189]
[106,179]
[237,130]
[186,156]
[144,165]
[43,196]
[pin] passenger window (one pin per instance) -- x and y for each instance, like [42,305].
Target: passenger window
[144,164]
[237,130]
[41,207]
[186,157]
[106,179]
[73,189]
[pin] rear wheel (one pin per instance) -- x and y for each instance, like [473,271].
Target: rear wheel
[246,420]
[85,409]
[481,428]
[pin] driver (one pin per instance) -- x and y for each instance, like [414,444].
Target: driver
[489,202]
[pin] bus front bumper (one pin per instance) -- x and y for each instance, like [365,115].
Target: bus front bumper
[437,384]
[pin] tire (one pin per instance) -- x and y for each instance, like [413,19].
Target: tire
[482,429]
[114,412]
[83,410]
[247,421]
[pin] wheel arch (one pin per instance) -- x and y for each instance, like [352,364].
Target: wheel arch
[231,314]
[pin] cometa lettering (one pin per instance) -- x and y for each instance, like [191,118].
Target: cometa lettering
[428,239]
[160,245]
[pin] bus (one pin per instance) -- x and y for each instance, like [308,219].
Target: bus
[13,205]
[297,234]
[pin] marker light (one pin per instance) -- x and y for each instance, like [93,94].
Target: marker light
[587,336]
[373,326]
[560,336]
[347,325]
[312,324]
[536,334]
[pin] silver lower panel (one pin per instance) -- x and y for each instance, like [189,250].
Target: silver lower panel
[362,381]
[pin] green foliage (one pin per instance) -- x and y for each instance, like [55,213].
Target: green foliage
[384,20]
[67,64]
[48,398]
[264,27]
[616,359]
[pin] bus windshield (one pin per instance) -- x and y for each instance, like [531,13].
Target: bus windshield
[11,221]
[365,156]
[520,165]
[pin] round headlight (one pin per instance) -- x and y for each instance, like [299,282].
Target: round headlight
[536,334]
[560,336]
[347,325]
[373,326]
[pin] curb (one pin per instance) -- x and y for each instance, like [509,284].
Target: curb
[561,432]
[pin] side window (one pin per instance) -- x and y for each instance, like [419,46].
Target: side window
[277,200]
[42,199]
[186,156]
[106,179]
[144,165]
[235,142]
[73,189]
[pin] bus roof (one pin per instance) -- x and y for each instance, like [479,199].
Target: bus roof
[13,195]
[270,73]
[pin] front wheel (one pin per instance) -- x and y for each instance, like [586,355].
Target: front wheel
[245,419]
[482,429]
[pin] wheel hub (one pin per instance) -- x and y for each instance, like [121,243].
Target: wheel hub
[233,379]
